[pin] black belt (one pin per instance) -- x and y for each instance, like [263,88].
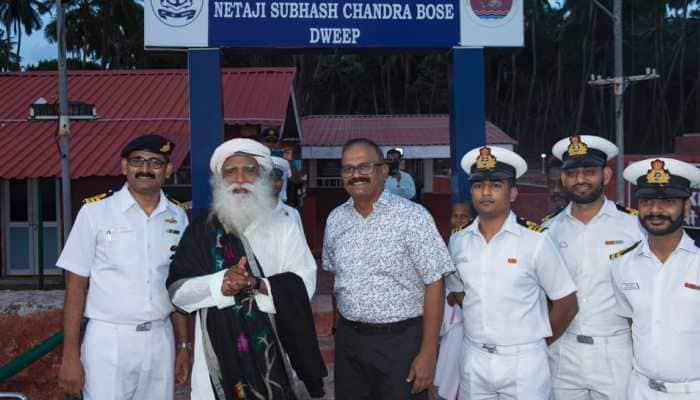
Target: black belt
[390,327]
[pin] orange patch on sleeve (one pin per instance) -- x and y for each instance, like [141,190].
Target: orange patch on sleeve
[512,261]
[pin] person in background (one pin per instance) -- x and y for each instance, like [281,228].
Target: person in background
[116,261]
[452,331]
[657,284]
[270,138]
[557,193]
[398,182]
[277,183]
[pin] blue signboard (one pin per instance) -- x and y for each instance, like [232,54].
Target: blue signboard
[302,24]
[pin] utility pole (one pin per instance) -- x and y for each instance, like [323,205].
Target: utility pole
[619,83]
[63,122]
[619,103]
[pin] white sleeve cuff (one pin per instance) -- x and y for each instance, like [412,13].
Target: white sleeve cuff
[219,299]
[265,301]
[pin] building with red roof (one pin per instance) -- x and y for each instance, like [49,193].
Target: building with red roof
[108,109]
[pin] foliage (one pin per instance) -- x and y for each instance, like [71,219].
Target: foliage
[537,94]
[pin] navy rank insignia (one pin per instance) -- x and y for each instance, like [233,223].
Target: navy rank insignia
[576,147]
[95,199]
[461,228]
[182,205]
[627,210]
[485,160]
[552,215]
[625,251]
[657,174]
[531,225]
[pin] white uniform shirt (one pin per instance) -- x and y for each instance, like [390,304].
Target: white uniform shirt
[586,250]
[505,282]
[126,255]
[663,301]
[291,213]
[280,247]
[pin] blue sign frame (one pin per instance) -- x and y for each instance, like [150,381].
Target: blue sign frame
[334,24]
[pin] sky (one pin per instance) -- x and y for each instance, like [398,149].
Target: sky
[36,47]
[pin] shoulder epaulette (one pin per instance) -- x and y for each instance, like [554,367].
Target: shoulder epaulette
[180,204]
[531,225]
[630,211]
[460,228]
[95,199]
[625,251]
[552,215]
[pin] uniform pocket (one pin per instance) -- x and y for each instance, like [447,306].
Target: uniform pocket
[685,310]
[122,246]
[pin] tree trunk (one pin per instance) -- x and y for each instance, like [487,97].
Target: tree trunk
[18,28]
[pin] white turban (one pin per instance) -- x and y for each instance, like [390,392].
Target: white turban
[281,164]
[244,147]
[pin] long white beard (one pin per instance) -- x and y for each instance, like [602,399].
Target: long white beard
[236,211]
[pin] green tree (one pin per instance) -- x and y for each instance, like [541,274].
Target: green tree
[8,60]
[21,16]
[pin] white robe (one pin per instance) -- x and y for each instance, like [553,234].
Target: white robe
[280,247]
[447,372]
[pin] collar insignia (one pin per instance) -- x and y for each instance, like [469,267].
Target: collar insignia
[657,174]
[576,147]
[485,160]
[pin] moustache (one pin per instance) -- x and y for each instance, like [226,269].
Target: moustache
[236,188]
[358,180]
[145,175]
[656,216]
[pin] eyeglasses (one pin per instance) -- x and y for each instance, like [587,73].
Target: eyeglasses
[363,169]
[154,163]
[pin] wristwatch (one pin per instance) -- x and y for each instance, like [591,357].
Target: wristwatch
[184,345]
[258,283]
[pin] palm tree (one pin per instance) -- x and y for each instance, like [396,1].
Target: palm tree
[18,15]
[7,60]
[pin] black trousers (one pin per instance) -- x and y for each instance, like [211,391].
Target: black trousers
[374,366]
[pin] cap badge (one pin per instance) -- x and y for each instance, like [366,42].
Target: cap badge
[165,148]
[576,147]
[657,174]
[485,160]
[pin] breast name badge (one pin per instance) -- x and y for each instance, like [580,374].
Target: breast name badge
[629,286]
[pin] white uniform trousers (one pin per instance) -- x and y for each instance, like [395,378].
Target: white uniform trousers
[517,372]
[122,363]
[640,388]
[597,371]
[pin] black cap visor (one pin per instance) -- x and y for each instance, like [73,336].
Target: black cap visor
[500,172]
[677,188]
[594,158]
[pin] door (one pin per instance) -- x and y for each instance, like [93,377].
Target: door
[21,233]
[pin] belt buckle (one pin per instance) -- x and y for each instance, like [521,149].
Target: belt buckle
[146,326]
[584,339]
[657,385]
[489,347]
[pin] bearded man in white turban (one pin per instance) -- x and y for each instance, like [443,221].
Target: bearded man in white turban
[248,274]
